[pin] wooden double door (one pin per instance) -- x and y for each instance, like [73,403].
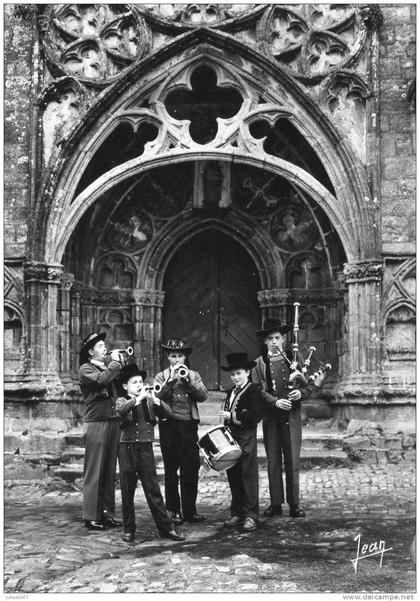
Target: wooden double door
[211,287]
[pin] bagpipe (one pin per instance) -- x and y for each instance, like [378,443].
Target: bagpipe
[299,376]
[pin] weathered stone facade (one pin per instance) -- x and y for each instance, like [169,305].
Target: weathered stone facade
[286,131]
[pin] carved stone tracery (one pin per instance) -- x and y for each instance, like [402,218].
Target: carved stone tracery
[312,39]
[93,42]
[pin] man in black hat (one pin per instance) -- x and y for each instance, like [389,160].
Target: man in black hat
[101,431]
[242,411]
[138,410]
[282,430]
[181,388]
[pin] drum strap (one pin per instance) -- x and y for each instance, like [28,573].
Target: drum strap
[235,403]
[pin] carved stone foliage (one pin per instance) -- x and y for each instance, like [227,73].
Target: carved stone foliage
[363,271]
[93,42]
[312,39]
[199,14]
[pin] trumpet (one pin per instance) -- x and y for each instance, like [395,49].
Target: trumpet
[183,372]
[156,388]
[128,351]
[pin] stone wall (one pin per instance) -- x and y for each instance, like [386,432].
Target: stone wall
[19,42]
[397,127]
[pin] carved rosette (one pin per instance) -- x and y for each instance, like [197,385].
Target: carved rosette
[93,42]
[148,298]
[360,272]
[312,39]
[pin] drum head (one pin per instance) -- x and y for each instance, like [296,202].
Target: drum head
[226,459]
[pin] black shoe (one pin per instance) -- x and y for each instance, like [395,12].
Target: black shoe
[273,510]
[195,519]
[296,512]
[112,522]
[128,537]
[177,518]
[94,525]
[173,535]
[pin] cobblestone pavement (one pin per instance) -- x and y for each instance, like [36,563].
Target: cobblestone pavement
[47,548]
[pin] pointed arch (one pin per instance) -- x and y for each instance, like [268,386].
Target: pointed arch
[350,209]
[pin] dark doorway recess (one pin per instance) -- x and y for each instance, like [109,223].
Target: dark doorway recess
[211,287]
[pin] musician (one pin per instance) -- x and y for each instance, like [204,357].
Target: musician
[282,430]
[179,433]
[138,409]
[101,431]
[242,411]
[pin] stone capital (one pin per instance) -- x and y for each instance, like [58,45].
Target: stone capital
[363,272]
[43,272]
[273,297]
[151,298]
[67,280]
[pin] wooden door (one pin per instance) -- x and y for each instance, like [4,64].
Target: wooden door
[211,287]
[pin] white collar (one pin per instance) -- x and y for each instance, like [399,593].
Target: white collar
[98,363]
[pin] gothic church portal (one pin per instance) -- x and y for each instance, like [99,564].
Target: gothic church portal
[195,169]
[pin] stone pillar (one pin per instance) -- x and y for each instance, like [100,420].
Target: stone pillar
[147,319]
[64,312]
[75,327]
[363,323]
[41,290]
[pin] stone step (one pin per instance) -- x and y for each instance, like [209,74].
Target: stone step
[73,469]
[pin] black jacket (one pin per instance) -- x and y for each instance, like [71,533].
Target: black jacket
[250,405]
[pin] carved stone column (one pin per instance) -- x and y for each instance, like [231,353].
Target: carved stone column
[364,281]
[41,290]
[274,303]
[64,312]
[147,320]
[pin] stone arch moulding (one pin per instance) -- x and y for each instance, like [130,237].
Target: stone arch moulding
[257,244]
[350,211]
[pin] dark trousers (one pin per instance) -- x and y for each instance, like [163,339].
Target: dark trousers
[178,441]
[243,477]
[101,440]
[137,462]
[282,442]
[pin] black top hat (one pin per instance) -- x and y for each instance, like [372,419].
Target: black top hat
[90,340]
[129,371]
[238,361]
[273,325]
[177,346]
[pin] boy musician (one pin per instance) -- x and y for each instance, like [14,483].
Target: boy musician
[100,431]
[137,410]
[181,389]
[282,430]
[242,412]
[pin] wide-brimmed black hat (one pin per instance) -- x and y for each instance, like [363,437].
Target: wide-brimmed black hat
[129,371]
[273,325]
[90,340]
[177,346]
[238,361]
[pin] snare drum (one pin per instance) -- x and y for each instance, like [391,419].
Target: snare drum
[220,449]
